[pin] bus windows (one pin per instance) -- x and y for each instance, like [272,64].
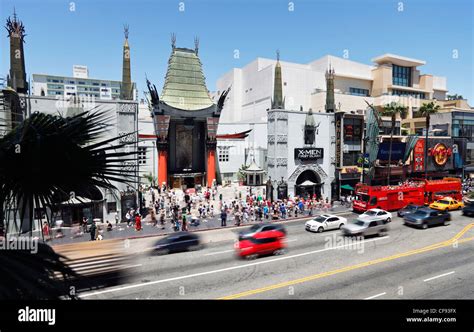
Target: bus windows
[373,200]
[362,197]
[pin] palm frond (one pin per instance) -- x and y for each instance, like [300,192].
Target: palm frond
[49,156]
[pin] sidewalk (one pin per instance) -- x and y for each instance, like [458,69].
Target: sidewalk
[121,231]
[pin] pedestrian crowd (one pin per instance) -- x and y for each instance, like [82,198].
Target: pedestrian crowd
[181,209]
[178,210]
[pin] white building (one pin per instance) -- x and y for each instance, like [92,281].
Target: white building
[147,152]
[307,165]
[389,78]
[78,85]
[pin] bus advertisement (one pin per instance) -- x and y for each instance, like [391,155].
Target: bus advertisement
[416,191]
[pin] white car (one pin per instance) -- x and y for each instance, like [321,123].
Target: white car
[325,222]
[375,214]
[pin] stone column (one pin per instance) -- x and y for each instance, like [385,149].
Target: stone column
[162,163]
[211,145]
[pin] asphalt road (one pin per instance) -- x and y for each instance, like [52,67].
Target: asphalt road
[408,263]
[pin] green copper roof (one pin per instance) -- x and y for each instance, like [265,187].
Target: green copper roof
[185,87]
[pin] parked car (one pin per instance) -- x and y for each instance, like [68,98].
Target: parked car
[410,208]
[261,240]
[325,222]
[447,204]
[261,228]
[468,209]
[376,214]
[425,217]
[366,227]
[177,242]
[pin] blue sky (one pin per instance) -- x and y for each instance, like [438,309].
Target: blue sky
[92,34]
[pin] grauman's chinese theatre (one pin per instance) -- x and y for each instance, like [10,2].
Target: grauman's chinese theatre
[185,121]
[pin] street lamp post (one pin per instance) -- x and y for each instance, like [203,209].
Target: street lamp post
[425,161]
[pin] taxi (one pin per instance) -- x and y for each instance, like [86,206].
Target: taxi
[447,204]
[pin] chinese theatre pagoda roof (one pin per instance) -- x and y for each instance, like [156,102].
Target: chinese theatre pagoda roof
[185,86]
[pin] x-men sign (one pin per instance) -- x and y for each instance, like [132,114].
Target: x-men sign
[309,154]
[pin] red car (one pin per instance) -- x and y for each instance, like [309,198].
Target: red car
[261,239]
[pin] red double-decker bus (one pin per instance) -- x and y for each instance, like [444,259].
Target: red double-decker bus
[416,191]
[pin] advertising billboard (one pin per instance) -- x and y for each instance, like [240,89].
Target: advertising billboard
[444,154]
[398,150]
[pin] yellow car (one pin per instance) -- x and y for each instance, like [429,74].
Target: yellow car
[447,204]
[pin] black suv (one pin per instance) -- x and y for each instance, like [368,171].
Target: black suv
[177,242]
[468,209]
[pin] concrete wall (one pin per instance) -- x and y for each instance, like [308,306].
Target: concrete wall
[348,102]
[146,127]
[343,84]
[382,76]
[252,89]
[342,67]
[426,83]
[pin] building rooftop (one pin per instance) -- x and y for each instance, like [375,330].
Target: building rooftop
[253,168]
[398,60]
[185,86]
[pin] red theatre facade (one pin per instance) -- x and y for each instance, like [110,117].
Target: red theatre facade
[185,121]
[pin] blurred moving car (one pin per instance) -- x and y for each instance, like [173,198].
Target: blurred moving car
[261,240]
[177,242]
[366,227]
[375,214]
[325,222]
[410,208]
[447,204]
[261,228]
[468,209]
[426,217]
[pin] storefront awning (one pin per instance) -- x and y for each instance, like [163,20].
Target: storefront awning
[79,201]
[347,187]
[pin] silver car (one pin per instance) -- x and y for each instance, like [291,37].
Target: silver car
[366,228]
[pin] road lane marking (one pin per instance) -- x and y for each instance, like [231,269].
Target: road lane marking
[440,276]
[374,296]
[224,269]
[218,252]
[442,244]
